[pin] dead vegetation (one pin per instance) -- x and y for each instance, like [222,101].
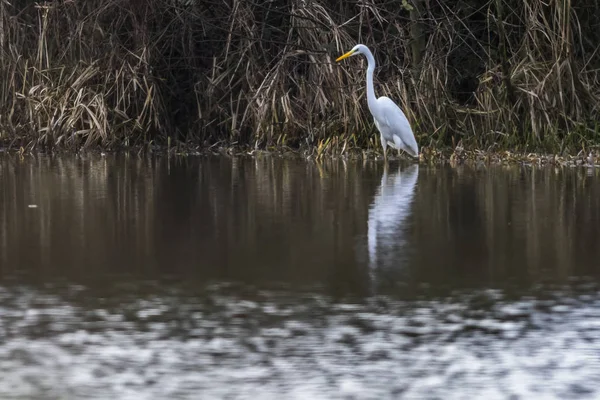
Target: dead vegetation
[503,74]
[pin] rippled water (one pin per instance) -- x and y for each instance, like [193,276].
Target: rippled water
[221,278]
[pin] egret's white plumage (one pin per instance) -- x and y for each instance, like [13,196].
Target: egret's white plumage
[391,122]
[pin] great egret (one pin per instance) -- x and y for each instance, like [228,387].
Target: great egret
[391,122]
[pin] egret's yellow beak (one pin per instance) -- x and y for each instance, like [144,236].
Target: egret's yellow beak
[348,54]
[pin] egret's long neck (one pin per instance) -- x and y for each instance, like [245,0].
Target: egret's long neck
[370,89]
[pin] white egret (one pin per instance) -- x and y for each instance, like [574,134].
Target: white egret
[391,122]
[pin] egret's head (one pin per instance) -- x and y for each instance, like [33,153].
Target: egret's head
[358,49]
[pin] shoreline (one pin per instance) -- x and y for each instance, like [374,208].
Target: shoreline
[431,156]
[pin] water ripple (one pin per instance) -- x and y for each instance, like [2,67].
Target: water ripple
[269,344]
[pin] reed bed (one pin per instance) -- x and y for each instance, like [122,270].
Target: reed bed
[518,75]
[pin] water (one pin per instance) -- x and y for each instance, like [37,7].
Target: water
[239,278]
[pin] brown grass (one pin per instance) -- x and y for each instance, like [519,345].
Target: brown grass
[506,74]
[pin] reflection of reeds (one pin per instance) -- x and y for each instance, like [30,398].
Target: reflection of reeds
[512,72]
[85,210]
[288,218]
[120,213]
[498,221]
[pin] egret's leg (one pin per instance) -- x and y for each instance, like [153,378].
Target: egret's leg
[400,145]
[384,145]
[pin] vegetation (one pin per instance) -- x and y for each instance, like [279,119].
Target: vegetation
[503,74]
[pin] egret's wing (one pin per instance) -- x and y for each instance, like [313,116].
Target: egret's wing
[397,124]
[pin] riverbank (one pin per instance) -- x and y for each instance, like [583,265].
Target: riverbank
[455,157]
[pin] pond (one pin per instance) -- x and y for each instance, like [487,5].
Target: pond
[213,277]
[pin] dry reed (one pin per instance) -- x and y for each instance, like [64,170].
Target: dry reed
[512,74]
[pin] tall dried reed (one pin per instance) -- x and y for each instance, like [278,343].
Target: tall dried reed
[519,74]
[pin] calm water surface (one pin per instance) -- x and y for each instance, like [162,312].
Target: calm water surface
[268,278]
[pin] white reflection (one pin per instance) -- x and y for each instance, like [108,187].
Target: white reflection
[387,214]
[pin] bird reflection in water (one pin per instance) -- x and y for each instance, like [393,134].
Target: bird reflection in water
[387,220]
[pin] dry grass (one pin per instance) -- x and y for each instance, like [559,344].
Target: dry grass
[506,74]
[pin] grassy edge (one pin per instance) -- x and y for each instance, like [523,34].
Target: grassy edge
[429,156]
